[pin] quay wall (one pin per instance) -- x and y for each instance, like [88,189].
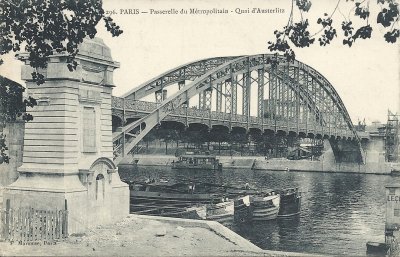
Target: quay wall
[326,163]
[238,162]
[321,166]
[374,158]
[148,160]
[260,163]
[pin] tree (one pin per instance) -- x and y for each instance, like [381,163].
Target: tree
[45,27]
[42,28]
[297,33]
[149,137]
[240,138]
[168,135]
[218,136]
[258,139]
[196,137]
[12,107]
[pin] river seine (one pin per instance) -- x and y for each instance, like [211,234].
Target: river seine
[340,212]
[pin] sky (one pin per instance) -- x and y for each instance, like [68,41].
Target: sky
[366,76]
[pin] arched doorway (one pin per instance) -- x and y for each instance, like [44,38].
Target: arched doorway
[100,188]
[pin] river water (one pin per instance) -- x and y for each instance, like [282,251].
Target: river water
[339,214]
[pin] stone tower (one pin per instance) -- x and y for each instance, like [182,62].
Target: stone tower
[68,151]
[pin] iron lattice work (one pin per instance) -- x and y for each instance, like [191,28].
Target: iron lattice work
[392,137]
[189,71]
[291,97]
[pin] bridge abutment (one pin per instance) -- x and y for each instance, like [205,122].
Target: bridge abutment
[68,151]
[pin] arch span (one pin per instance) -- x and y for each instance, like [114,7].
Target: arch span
[189,71]
[300,98]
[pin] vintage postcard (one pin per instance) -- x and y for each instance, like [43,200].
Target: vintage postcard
[205,128]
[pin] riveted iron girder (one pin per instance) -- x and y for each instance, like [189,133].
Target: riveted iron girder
[260,98]
[218,92]
[304,93]
[189,71]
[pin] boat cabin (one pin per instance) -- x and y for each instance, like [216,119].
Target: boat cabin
[197,161]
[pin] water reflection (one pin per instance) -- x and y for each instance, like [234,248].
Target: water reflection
[340,212]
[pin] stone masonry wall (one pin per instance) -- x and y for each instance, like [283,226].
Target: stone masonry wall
[15,139]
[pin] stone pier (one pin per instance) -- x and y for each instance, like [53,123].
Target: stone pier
[68,151]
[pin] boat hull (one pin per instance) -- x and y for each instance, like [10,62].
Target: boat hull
[221,212]
[197,161]
[290,204]
[378,249]
[243,213]
[161,196]
[270,213]
[167,203]
[256,209]
[196,167]
[394,172]
[223,218]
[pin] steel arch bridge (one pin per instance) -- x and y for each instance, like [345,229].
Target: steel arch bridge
[291,97]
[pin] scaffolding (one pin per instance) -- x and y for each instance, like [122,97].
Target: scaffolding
[392,138]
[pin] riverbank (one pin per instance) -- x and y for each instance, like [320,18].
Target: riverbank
[239,162]
[139,235]
[321,166]
[277,164]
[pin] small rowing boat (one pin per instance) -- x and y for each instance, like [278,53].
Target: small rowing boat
[257,207]
[221,212]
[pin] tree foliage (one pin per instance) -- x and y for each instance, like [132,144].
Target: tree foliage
[196,137]
[12,107]
[297,33]
[45,27]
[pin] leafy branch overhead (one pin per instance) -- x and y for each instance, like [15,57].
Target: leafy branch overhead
[44,27]
[297,33]
[12,107]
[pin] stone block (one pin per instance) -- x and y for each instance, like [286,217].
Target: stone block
[61,168]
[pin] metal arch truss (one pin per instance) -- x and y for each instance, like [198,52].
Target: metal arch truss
[189,71]
[205,99]
[228,96]
[218,98]
[299,98]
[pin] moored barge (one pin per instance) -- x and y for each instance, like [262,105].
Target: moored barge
[197,161]
[260,207]
[221,212]
[290,203]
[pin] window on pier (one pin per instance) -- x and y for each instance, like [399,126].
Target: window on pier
[89,130]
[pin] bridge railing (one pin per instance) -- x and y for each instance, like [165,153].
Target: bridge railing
[117,103]
[285,124]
